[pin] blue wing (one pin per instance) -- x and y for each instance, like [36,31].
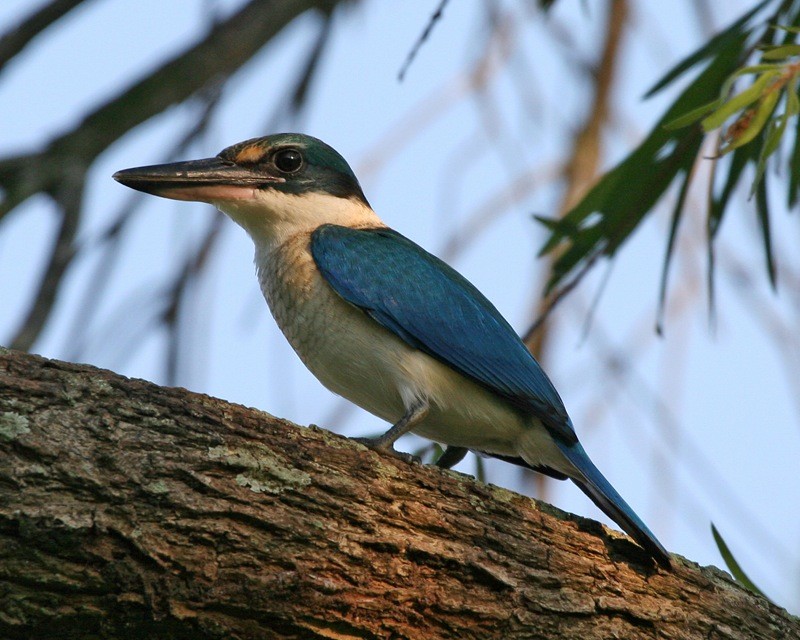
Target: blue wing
[436,310]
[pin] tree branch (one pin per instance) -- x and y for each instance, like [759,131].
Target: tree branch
[70,200]
[581,170]
[132,510]
[224,50]
[16,39]
[62,166]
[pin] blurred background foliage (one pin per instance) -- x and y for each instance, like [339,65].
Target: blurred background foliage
[526,119]
[745,104]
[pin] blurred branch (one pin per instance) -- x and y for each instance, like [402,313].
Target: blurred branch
[426,32]
[111,239]
[582,168]
[188,274]
[490,210]
[436,105]
[18,37]
[61,167]
[70,199]
[223,51]
[298,95]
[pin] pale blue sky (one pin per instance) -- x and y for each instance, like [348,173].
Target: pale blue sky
[431,154]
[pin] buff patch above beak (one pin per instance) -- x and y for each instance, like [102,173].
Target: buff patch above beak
[250,154]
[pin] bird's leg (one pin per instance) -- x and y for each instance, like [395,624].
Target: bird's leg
[413,416]
[451,457]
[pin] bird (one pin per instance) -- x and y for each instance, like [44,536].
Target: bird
[381,321]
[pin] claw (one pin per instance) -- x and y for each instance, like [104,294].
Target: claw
[377,444]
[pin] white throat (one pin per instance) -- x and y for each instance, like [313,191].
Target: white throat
[271,217]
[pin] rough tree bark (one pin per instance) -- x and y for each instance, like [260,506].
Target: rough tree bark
[129,510]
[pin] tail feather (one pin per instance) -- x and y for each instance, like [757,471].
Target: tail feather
[600,491]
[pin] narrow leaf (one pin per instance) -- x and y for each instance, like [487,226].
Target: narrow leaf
[727,87]
[762,209]
[787,28]
[733,566]
[693,115]
[770,144]
[673,234]
[739,161]
[792,100]
[714,46]
[629,191]
[754,68]
[794,167]
[764,110]
[550,223]
[739,101]
[781,52]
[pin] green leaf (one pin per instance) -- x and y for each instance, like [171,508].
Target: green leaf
[693,115]
[769,146]
[733,566]
[718,44]
[781,52]
[753,68]
[739,101]
[787,28]
[763,111]
[550,223]
[792,100]
[609,213]
[739,159]
[762,210]
[794,166]
[699,112]
[628,192]
[673,234]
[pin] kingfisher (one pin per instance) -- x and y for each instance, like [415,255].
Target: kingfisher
[382,322]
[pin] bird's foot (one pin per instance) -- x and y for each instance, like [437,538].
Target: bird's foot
[379,444]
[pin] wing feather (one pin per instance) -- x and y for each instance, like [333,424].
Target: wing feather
[433,308]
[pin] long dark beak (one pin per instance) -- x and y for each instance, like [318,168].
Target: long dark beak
[204,180]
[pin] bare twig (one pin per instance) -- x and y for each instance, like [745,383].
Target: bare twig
[437,15]
[298,94]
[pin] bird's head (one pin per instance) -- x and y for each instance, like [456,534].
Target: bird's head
[269,185]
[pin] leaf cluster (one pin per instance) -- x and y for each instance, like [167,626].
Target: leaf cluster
[746,85]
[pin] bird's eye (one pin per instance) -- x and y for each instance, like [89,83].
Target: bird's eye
[288,160]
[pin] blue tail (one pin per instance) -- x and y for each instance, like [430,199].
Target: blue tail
[594,485]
